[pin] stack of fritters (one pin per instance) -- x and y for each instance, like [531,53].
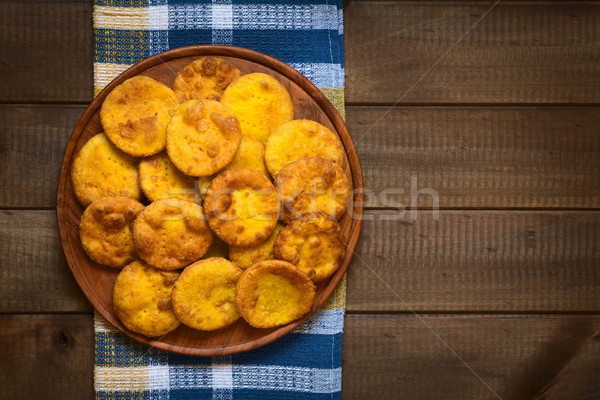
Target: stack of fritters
[217,238]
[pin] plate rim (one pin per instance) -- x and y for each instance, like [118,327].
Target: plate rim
[258,58]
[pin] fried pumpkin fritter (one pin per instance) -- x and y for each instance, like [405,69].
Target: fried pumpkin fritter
[242,207]
[205,78]
[314,243]
[105,230]
[204,294]
[298,139]
[171,234]
[100,170]
[260,102]
[136,113]
[159,179]
[202,137]
[244,257]
[250,154]
[312,185]
[218,248]
[273,293]
[142,299]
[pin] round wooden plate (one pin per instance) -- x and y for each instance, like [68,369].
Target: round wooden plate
[97,281]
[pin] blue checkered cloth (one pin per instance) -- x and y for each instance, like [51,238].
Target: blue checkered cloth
[308,35]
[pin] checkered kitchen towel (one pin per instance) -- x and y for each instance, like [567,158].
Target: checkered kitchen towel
[306,34]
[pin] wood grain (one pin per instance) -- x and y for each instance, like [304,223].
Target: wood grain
[538,52]
[470,357]
[384,356]
[46,357]
[509,57]
[476,157]
[33,269]
[475,261]
[473,157]
[578,378]
[46,51]
[32,141]
[97,281]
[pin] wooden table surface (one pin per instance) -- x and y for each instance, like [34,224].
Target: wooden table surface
[477,275]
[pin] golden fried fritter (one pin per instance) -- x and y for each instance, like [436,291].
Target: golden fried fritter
[203,183]
[250,154]
[244,257]
[313,243]
[242,207]
[100,170]
[205,78]
[260,103]
[105,230]
[136,113]
[312,185]
[272,293]
[159,179]
[218,248]
[171,233]
[142,299]
[204,294]
[202,137]
[298,139]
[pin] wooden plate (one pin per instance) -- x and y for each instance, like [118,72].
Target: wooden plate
[97,281]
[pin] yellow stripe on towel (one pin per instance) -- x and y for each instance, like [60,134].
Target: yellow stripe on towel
[104,73]
[126,379]
[132,18]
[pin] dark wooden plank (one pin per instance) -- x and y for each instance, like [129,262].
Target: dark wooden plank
[466,261]
[470,357]
[578,378]
[32,144]
[46,51]
[384,357]
[475,157]
[520,52]
[480,261]
[509,57]
[46,357]
[492,157]
[34,274]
